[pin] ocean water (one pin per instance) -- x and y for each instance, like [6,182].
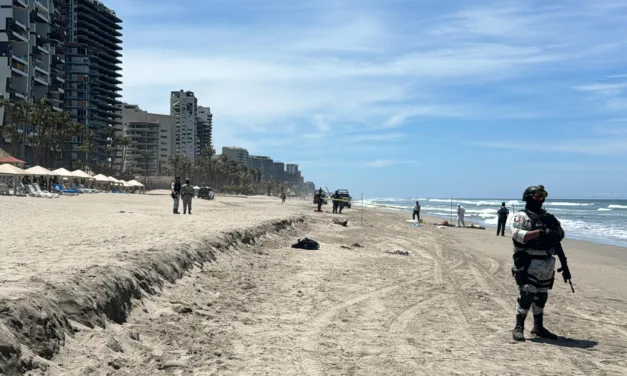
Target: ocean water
[601,221]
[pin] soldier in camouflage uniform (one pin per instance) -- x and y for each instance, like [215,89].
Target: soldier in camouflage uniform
[187,193]
[535,234]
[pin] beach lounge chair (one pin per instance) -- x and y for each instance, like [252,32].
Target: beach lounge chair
[44,193]
[27,190]
[33,192]
[61,190]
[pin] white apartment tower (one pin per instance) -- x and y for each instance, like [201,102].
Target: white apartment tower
[26,54]
[184,107]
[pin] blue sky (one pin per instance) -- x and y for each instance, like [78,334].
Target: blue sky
[403,98]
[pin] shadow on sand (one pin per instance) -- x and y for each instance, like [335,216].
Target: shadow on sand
[566,342]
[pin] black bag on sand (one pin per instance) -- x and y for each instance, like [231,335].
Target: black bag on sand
[306,243]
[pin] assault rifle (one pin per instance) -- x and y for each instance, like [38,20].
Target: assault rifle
[559,251]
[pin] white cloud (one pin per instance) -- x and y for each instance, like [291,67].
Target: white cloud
[314,67]
[379,163]
[612,146]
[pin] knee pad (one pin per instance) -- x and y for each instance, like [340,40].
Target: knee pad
[525,299]
[540,299]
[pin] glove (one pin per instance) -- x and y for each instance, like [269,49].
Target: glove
[566,274]
[552,235]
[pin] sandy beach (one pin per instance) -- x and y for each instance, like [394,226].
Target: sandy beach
[117,285]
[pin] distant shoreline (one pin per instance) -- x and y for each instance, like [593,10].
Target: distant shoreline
[468,220]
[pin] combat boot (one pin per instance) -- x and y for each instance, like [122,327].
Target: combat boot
[538,328]
[518,332]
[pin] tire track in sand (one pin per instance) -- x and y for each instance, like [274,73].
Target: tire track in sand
[437,265]
[583,364]
[309,364]
[405,352]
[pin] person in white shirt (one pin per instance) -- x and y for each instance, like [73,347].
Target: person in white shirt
[460,216]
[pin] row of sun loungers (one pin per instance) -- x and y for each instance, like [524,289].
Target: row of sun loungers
[34,190]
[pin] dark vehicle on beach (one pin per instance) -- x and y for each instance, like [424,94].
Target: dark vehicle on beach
[343,194]
[324,198]
[206,193]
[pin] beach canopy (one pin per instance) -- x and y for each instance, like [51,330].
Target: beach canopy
[135,183]
[10,159]
[126,184]
[7,169]
[114,180]
[82,174]
[65,173]
[39,171]
[102,179]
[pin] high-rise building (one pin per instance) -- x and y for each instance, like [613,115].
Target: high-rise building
[291,173]
[25,50]
[204,129]
[167,125]
[265,165]
[92,55]
[279,172]
[184,106]
[240,155]
[32,65]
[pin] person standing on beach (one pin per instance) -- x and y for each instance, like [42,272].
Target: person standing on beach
[283,197]
[535,234]
[335,202]
[320,201]
[460,216]
[503,213]
[187,193]
[416,212]
[176,193]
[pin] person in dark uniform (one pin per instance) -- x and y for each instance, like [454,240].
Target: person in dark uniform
[320,200]
[335,202]
[176,194]
[416,212]
[503,213]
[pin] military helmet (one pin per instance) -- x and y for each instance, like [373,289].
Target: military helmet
[535,191]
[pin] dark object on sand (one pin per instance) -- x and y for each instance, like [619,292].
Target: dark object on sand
[340,222]
[401,252]
[306,243]
[472,225]
[345,247]
[357,245]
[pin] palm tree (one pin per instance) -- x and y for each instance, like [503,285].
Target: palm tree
[175,162]
[88,146]
[144,156]
[124,142]
[16,114]
[186,166]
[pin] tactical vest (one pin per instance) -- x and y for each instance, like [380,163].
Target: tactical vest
[538,221]
[177,187]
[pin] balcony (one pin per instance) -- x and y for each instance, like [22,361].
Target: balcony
[40,5]
[18,67]
[19,36]
[41,16]
[41,78]
[17,94]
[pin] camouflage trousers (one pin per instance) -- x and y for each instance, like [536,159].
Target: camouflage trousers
[535,295]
